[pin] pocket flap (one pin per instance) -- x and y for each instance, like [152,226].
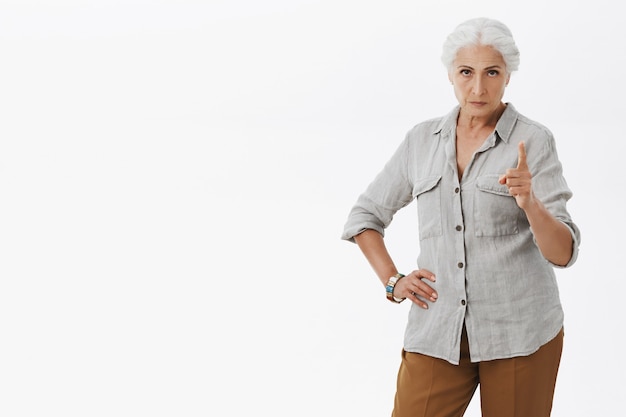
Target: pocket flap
[491,184]
[425,184]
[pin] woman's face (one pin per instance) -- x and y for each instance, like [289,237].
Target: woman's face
[479,77]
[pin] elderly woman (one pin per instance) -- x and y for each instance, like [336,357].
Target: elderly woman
[493,225]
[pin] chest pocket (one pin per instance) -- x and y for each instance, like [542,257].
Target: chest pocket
[496,212]
[428,194]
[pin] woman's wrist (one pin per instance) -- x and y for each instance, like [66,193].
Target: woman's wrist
[390,287]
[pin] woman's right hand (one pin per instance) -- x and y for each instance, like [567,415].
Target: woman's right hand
[414,288]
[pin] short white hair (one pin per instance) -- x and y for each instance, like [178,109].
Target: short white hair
[481,31]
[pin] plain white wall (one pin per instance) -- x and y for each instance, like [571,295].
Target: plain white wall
[175,175]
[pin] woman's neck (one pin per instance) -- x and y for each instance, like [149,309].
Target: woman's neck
[479,123]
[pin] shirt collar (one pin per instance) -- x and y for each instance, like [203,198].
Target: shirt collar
[448,122]
[504,127]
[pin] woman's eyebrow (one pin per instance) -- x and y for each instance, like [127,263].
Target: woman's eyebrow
[486,68]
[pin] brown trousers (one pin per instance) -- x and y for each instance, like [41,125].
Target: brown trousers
[516,387]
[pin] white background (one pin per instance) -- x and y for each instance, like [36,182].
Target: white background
[175,175]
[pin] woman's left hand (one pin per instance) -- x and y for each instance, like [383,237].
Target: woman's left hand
[519,180]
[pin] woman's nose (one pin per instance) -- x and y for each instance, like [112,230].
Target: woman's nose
[477,86]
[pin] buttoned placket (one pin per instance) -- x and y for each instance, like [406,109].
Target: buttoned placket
[458,204]
[459,240]
[458,223]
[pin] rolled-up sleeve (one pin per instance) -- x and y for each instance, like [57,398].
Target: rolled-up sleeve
[390,190]
[552,190]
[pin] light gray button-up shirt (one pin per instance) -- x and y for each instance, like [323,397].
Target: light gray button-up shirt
[474,237]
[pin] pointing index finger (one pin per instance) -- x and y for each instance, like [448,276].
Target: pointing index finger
[521,159]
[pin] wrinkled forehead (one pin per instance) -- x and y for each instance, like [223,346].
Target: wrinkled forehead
[478,57]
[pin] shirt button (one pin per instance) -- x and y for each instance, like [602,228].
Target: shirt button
[459,228]
[456,190]
[460,264]
[462,302]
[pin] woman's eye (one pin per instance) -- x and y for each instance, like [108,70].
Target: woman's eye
[465,72]
[493,73]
